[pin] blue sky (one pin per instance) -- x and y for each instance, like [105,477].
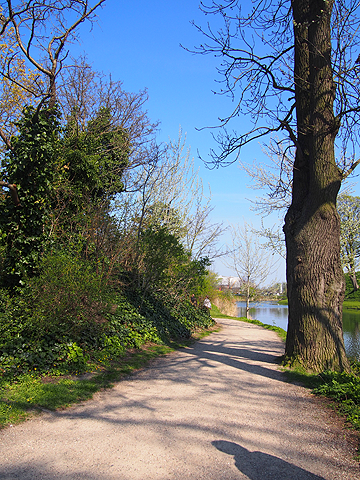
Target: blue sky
[138,42]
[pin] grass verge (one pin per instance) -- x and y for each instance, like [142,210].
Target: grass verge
[342,388]
[348,304]
[30,394]
[351,305]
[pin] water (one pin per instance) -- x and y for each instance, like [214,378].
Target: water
[273,314]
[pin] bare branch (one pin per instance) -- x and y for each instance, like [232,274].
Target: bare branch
[13,192]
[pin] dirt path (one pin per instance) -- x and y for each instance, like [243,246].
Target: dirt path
[219,410]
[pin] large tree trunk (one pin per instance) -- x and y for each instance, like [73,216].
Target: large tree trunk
[315,278]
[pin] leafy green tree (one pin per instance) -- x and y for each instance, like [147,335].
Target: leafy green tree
[349,211]
[160,250]
[30,164]
[95,158]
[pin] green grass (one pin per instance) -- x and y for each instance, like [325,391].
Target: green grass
[215,313]
[351,305]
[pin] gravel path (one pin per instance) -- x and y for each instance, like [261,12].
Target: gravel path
[219,410]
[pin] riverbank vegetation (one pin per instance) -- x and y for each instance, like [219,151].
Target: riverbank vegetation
[352,296]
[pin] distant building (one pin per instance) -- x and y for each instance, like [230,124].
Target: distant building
[229,283]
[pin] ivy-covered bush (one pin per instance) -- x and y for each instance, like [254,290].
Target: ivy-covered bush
[67,317]
[30,164]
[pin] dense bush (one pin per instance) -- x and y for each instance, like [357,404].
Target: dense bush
[67,317]
[80,283]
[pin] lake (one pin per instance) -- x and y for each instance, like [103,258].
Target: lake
[273,314]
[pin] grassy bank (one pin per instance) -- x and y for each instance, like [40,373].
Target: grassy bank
[349,304]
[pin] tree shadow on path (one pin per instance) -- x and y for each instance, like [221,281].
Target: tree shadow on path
[262,466]
[250,356]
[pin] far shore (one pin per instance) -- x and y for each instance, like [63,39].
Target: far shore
[348,304]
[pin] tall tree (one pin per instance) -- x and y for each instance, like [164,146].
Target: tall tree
[30,165]
[38,32]
[298,75]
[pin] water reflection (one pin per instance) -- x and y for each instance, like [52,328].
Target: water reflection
[351,328]
[273,314]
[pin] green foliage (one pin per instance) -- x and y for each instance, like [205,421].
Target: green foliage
[95,157]
[66,318]
[161,254]
[31,166]
[349,291]
[172,317]
[67,297]
[204,283]
[164,264]
[55,319]
[345,389]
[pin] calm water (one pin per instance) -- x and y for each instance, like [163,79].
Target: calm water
[273,314]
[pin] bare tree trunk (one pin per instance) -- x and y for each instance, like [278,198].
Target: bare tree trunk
[315,278]
[248,300]
[352,276]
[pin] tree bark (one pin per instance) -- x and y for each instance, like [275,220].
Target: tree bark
[316,284]
[248,299]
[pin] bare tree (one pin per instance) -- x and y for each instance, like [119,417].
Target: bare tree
[249,260]
[82,93]
[169,192]
[40,30]
[293,68]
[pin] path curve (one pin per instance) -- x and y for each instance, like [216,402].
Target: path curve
[219,410]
